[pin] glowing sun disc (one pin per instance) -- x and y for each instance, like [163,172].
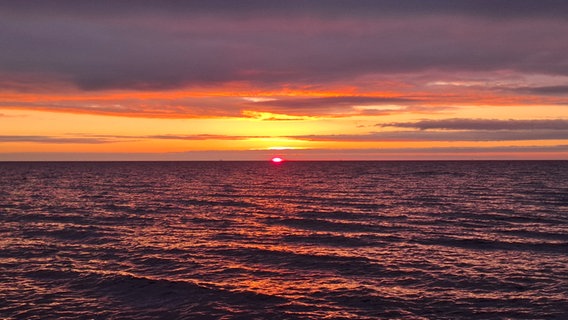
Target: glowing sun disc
[277,160]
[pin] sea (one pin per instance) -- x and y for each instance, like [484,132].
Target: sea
[294,240]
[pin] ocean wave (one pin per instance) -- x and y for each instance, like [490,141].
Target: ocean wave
[344,240]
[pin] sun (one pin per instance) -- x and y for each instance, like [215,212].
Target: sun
[276,160]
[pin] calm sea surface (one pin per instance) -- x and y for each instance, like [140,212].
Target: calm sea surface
[297,240]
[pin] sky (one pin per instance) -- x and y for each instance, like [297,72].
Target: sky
[305,80]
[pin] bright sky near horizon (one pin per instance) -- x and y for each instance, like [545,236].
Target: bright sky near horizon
[305,80]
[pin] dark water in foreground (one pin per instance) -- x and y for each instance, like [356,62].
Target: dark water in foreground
[299,240]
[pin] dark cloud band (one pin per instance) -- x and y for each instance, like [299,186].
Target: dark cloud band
[373,8]
[171,44]
[501,135]
[482,124]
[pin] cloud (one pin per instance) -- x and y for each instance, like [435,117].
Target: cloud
[100,139]
[470,135]
[173,44]
[544,90]
[460,130]
[501,9]
[335,106]
[196,137]
[482,124]
[269,116]
[376,57]
[277,109]
[331,102]
[55,140]
[132,106]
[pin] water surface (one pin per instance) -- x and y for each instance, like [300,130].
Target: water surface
[297,240]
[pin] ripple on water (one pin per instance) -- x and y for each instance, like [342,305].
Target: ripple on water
[344,240]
